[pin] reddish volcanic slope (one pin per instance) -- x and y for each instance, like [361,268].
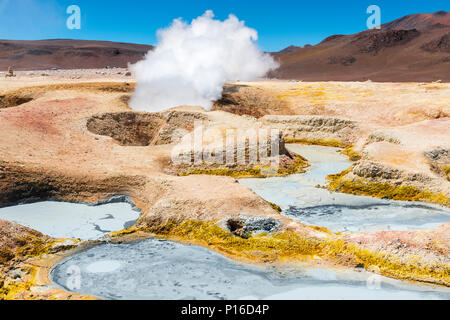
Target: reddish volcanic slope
[419,21]
[412,48]
[68,54]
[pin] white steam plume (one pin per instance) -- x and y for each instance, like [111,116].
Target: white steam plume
[192,62]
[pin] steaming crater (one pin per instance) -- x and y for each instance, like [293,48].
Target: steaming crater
[127,128]
[192,62]
[143,128]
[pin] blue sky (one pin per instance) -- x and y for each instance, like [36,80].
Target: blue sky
[279,23]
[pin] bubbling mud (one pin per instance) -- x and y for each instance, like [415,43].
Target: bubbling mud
[301,199]
[159,269]
[73,220]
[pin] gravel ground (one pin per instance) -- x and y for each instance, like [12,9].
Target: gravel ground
[73,74]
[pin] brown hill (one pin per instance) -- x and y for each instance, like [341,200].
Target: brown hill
[68,54]
[413,48]
[420,21]
[285,51]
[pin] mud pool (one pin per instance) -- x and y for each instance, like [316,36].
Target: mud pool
[159,269]
[301,200]
[73,220]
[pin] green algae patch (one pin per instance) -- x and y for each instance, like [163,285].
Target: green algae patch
[30,246]
[446,170]
[275,207]
[33,247]
[124,232]
[321,229]
[292,247]
[408,268]
[297,165]
[351,154]
[234,173]
[318,142]
[261,248]
[11,289]
[348,149]
[384,190]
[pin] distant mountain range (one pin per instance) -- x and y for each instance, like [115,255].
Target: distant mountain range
[68,54]
[412,48]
